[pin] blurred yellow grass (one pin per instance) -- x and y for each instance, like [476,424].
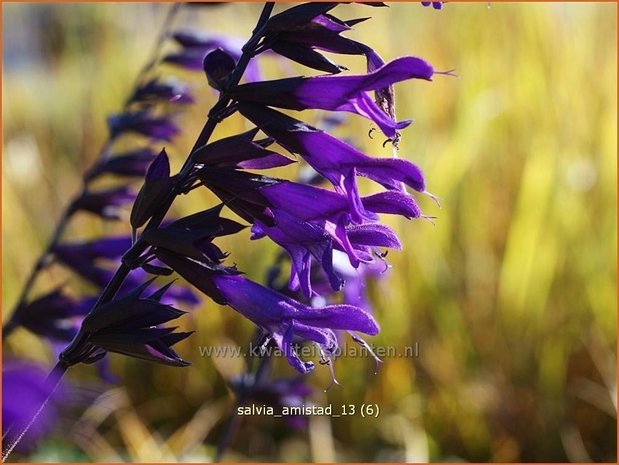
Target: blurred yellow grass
[511,295]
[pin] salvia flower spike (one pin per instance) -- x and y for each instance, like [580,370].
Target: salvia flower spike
[317,227]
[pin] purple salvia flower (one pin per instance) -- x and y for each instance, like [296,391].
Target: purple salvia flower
[302,241]
[305,202]
[142,122]
[106,203]
[309,28]
[339,93]
[308,222]
[284,318]
[312,203]
[308,219]
[254,197]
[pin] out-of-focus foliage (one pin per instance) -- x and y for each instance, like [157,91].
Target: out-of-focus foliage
[510,296]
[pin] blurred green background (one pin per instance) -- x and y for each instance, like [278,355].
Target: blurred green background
[511,295]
